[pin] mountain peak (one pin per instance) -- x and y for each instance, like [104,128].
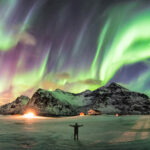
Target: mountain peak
[115,87]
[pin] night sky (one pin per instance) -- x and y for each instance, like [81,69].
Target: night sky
[73,45]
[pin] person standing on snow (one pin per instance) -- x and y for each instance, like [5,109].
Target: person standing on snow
[76,130]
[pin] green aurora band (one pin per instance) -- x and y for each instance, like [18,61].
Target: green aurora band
[125,41]
[10,34]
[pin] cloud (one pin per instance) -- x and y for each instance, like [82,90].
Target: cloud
[91,82]
[50,85]
[63,75]
[27,39]
[6,97]
[82,85]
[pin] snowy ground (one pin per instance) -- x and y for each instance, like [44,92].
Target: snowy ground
[98,133]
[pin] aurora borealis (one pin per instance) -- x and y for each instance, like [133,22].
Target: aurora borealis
[73,45]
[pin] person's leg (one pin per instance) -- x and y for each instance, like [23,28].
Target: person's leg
[74,136]
[77,136]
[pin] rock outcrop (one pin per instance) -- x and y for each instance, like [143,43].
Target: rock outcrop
[16,107]
[45,104]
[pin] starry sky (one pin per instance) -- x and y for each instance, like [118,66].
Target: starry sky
[73,45]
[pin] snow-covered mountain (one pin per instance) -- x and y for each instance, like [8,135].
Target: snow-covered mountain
[50,103]
[15,107]
[117,99]
[108,99]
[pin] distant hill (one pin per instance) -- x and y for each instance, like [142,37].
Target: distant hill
[108,99]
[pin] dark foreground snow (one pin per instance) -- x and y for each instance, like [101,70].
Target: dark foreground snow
[98,133]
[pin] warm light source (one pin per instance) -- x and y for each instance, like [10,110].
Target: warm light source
[82,114]
[29,115]
[117,115]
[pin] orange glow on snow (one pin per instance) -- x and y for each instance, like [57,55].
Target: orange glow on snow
[29,115]
[117,115]
[82,114]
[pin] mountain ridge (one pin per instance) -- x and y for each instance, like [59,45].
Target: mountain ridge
[110,99]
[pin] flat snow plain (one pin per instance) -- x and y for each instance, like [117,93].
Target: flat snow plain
[103,132]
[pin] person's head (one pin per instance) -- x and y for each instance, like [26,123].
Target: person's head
[76,124]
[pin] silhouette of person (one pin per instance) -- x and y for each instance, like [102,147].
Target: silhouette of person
[76,126]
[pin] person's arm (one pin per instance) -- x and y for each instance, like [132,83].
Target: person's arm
[80,125]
